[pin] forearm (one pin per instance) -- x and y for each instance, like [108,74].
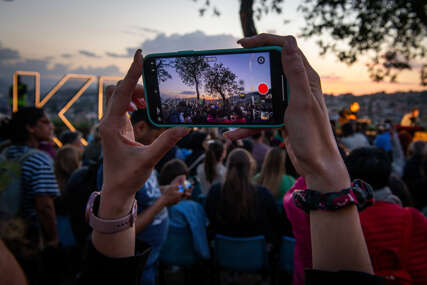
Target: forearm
[121,244]
[337,237]
[47,217]
[145,218]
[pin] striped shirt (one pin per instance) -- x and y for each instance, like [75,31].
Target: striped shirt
[37,177]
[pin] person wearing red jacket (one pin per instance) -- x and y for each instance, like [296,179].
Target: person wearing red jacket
[396,236]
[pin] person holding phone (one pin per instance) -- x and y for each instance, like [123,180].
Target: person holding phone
[338,247]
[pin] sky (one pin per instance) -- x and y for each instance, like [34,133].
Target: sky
[56,37]
[244,66]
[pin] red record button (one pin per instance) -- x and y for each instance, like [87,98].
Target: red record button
[262,88]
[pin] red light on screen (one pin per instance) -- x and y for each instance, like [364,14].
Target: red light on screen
[262,88]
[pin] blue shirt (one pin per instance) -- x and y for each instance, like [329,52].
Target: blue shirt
[384,141]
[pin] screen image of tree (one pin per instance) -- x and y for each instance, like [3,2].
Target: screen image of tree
[216,89]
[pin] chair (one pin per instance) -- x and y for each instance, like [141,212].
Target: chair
[178,250]
[247,254]
[286,260]
[285,267]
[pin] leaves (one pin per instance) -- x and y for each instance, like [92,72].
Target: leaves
[220,80]
[190,69]
[393,31]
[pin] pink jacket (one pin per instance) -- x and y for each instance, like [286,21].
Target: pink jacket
[301,230]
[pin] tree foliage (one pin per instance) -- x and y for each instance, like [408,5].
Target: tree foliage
[219,80]
[191,69]
[392,33]
[162,73]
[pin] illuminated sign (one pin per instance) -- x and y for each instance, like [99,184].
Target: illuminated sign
[61,114]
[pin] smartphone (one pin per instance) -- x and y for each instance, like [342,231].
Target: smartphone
[217,88]
[185,186]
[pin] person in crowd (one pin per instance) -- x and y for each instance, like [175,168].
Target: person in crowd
[37,185]
[413,173]
[66,161]
[259,149]
[198,143]
[383,138]
[351,139]
[273,175]
[399,189]
[186,214]
[92,151]
[48,147]
[212,170]
[4,139]
[174,153]
[239,208]
[72,138]
[82,182]
[405,140]
[152,220]
[395,236]
[411,119]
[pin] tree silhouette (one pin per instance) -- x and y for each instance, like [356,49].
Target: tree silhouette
[392,33]
[219,80]
[190,69]
[162,73]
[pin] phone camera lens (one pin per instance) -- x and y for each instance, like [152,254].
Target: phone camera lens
[260,60]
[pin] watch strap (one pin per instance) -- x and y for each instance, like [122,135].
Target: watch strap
[108,226]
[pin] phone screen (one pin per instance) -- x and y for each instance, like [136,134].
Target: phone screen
[215,89]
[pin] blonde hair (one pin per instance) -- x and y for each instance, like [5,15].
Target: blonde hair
[67,160]
[272,170]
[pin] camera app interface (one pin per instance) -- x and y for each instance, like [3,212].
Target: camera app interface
[215,89]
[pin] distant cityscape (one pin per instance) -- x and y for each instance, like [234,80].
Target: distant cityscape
[377,107]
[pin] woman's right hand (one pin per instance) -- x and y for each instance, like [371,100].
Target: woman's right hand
[309,138]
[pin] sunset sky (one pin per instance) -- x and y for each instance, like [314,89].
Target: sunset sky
[56,37]
[244,66]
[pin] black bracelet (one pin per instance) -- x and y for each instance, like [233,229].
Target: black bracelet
[360,194]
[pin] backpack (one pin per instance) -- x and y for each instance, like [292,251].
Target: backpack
[10,183]
[391,264]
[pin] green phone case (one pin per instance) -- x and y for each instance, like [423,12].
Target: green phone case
[202,52]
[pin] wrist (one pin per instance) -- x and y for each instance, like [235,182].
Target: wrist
[161,201]
[329,178]
[114,205]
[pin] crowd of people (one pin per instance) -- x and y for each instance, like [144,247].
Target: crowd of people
[209,181]
[216,112]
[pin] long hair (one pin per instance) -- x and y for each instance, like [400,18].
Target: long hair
[272,170]
[67,160]
[213,156]
[237,202]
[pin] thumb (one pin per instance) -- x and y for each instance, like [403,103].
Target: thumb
[165,142]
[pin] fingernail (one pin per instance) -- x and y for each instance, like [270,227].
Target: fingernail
[291,46]
[137,55]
